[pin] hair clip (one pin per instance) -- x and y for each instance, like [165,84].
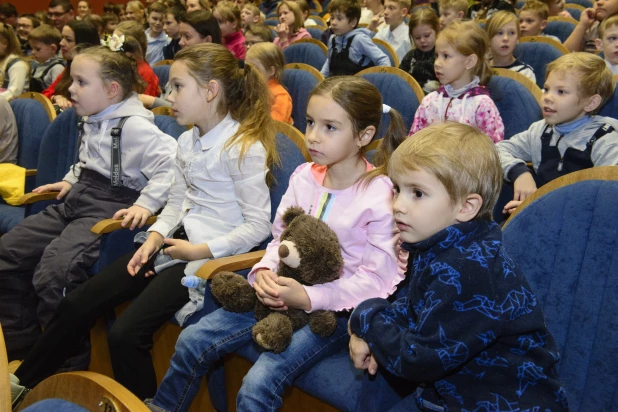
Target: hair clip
[114,43]
[386,108]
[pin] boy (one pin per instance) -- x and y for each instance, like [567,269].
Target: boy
[469,331]
[157,39]
[171,27]
[45,43]
[249,15]
[587,30]
[608,42]
[570,137]
[533,19]
[397,33]
[350,50]
[452,10]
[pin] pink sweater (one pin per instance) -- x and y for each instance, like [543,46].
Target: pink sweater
[363,221]
[235,43]
[300,34]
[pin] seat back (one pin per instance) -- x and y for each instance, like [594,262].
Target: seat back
[560,29]
[299,83]
[32,121]
[307,53]
[163,73]
[573,270]
[388,50]
[314,31]
[168,125]
[517,106]
[573,11]
[611,106]
[538,55]
[584,3]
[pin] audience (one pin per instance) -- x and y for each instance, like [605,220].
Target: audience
[8,133]
[83,9]
[249,15]
[45,42]
[136,31]
[533,19]
[397,33]
[373,15]
[156,37]
[419,62]
[586,32]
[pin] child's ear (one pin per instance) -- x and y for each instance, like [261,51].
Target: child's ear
[404,12]
[471,61]
[256,19]
[469,208]
[366,136]
[212,90]
[599,44]
[113,90]
[593,103]
[271,72]
[460,15]
[543,25]
[54,48]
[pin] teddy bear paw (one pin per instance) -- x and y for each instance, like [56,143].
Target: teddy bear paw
[273,333]
[233,292]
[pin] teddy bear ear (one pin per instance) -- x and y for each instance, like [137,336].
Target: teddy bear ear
[292,213]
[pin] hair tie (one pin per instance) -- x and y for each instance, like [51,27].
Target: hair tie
[241,64]
[386,108]
[114,43]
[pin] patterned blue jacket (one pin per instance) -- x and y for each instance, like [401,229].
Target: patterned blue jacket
[470,330]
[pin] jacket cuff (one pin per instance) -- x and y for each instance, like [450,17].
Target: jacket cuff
[516,171]
[363,314]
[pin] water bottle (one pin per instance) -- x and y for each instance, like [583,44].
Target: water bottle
[139,239]
[192,282]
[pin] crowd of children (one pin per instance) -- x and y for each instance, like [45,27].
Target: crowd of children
[415,224]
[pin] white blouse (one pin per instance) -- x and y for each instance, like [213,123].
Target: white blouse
[17,75]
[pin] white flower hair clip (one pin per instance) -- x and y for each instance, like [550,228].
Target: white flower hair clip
[114,43]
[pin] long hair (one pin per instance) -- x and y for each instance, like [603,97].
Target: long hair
[467,38]
[86,35]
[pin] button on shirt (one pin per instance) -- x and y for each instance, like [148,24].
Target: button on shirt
[221,203]
[398,39]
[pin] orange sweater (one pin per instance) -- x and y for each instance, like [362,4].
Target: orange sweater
[281,109]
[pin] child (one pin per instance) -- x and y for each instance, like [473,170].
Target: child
[397,33]
[373,15]
[570,137]
[290,27]
[171,27]
[424,27]
[587,30]
[556,8]
[110,21]
[268,59]
[193,5]
[156,37]
[228,16]
[503,32]
[53,249]
[45,43]
[221,171]
[343,116]
[305,12]
[486,8]
[97,22]
[136,30]
[533,19]
[608,42]
[463,71]
[469,330]
[350,49]
[452,10]
[13,70]
[136,11]
[249,15]
[258,33]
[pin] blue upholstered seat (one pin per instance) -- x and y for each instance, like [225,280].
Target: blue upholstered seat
[611,107]
[537,55]
[307,53]
[299,83]
[315,32]
[575,13]
[585,3]
[391,56]
[54,404]
[163,73]
[560,29]
[566,243]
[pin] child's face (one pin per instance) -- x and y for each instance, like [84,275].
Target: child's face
[394,13]
[424,37]
[340,24]
[227,27]
[155,22]
[421,205]
[3,46]
[267,73]
[171,26]
[605,8]
[41,51]
[609,44]
[531,24]
[188,99]
[555,7]
[451,67]
[89,93]
[251,39]
[110,26]
[561,98]
[193,5]
[286,16]
[503,43]
[247,18]
[447,16]
[83,9]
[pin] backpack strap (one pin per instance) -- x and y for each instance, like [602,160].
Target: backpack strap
[115,175]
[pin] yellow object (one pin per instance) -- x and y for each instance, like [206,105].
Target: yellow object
[12,183]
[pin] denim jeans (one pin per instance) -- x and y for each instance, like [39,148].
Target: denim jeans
[221,332]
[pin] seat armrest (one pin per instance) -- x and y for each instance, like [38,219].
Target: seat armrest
[230,263]
[110,225]
[30,172]
[30,198]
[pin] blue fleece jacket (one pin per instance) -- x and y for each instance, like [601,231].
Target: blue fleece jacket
[362,50]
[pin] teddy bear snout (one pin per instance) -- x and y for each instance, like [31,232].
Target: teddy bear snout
[289,254]
[283,251]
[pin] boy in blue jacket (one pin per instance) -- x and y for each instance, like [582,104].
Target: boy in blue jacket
[469,333]
[350,50]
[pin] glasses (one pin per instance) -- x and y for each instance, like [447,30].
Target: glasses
[251,43]
[24,26]
[57,14]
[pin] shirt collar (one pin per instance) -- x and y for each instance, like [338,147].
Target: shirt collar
[455,234]
[399,30]
[221,132]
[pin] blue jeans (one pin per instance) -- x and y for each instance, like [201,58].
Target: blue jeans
[221,332]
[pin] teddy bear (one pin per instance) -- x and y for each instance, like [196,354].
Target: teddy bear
[309,252]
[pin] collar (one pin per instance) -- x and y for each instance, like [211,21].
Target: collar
[456,234]
[160,37]
[234,37]
[223,131]
[448,90]
[568,127]
[398,30]
[96,118]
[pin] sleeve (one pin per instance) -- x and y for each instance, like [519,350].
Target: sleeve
[253,196]
[281,109]
[420,117]
[406,62]
[51,90]
[18,75]
[529,73]
[488,119]
[605,150]
[54,72]
[373,52]
[326,67]
[514,153]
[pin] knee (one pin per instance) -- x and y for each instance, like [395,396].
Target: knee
[122,336]
[70,307]
[259,383]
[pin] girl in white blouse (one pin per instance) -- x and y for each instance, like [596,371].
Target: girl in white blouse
[13,70]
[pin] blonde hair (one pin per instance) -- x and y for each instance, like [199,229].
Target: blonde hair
[245,96]
[498,20]
[609,22]
[12,41]
[460,156]
[136,5]
[261,30]
[298,14]
[422,16]
[457,5]
[229,12]
[135,30]
[537,7]
[467,38]
[253,9]
[404,4]
[269,56]
[592,72]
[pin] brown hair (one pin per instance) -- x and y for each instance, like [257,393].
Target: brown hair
[457,5]
[12,41]
[261,30]
[204,23]
[245,96]
[538,7]
[362,102]
[467,38]
[609,22]
[96,21]
[157,7]
[135,5]
[298,15]
[46,34]
[135,30]
[497,21]
[229,12]
[422,16]
[592,72]
[269,56]
[351,9]
[460,156]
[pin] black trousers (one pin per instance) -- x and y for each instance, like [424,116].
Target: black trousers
[156,299]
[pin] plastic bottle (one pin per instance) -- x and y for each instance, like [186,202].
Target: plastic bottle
[192,282]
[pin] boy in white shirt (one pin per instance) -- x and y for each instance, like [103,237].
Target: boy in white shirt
[533,19]
[452,10]
[157,39]
[608,42]
[397,33]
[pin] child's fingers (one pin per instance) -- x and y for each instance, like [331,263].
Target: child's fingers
[373,365]
[143,220]
[119,214]
[270,286]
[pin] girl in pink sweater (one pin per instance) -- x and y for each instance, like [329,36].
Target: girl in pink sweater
[228,16]
[290,27]
[342,189]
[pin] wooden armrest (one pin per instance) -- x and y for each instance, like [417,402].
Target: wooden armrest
[110,225]
[230,263]
[30,172]
[30,198]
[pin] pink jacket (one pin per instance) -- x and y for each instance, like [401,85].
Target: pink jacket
[235,43]
[300,34]
[363,220]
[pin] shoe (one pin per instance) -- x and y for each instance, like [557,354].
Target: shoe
[152,406]
[17,391]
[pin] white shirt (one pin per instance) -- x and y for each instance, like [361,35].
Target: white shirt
[614,69]
[399,39]
[17,75]
[154,51]
[221,203]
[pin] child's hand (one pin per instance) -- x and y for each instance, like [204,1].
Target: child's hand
[62,102]
[62,187]
[375,21]
[511,206]
[137,214]
[361,355]
[282,30]
[565,13]
[588,17]
[185,250]
[523,186]
[266,289]
[139,259]
[292,294]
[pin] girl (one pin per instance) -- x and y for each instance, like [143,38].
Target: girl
[171,27]
[463,72]
[228,17]
[13,70]
[249,15]
[503,31]
[136,11]
[354,199]
[193,5]
[424,27]
[268,59]
[53,249]
[74,33]
[83,9]
[219,194]
[290,27]
[305,12]
[110,21]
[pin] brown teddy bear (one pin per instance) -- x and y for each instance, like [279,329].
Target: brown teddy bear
[309,252]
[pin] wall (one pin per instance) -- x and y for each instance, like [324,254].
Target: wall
[30,6]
